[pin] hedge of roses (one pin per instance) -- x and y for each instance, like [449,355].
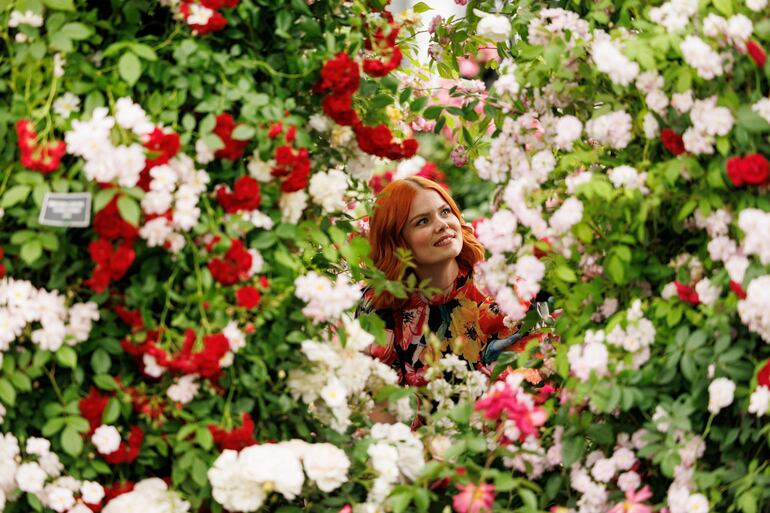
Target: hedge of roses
[195,349]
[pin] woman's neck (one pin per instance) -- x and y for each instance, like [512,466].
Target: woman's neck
[442,276]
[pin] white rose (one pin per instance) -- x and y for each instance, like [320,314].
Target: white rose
[494,27]
[106,439]
[721,392]
[327,465]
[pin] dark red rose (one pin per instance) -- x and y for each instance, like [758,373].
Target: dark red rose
[236,438]
[339,107]
[672,141]
[248,297]
[162,145]
[233,149]
[737,289]
[44,158]
[757,53]
[224,272]
[275,129]
[752,169]
[687,293]
[340,75]
[763,376]
[109,225]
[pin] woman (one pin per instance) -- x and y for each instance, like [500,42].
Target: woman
[419,215]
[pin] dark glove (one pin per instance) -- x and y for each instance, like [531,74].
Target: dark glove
[496,347]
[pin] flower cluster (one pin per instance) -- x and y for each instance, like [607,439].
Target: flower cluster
[238,264]
[396,455]
[242,481]
[44,158]
[44,315]
[150,495]
[39,473]
[340,80]
[326,300]
[342,375]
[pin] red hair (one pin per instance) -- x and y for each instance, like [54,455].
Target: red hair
[386,226]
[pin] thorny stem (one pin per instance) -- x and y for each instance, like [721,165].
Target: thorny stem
[56,389]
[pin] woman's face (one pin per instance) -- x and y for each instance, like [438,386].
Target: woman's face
[432,232]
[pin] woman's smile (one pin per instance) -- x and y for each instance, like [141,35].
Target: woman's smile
[445,240]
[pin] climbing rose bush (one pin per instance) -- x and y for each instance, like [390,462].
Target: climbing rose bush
[195,347]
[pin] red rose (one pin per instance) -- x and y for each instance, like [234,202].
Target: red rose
[737,289]
[223,272]
[100,251]
[109,225]
[275,129]
[298,178]
[763,376]
[686,293]
[91,408]
[239,255]
[672,141]
[340,75]
[752,169]
[164,145]
[757,53]
[409,148]
[121,261]
[235,439]
[291,134]
[377,68]
[339,107]
[248,297]
[216,21]
[44,158]
[233,149]
[245,196]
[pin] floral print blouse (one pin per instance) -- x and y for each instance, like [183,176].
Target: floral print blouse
[464,322]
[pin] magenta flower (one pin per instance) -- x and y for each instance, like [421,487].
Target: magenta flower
[474,499]
[633,502]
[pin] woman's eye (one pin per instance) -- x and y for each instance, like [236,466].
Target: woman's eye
[445,211]
[422,221]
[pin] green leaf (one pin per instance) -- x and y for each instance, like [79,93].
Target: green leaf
[724,6]
[111,411]
[572,450]
[7,392]
[67,357]
[71,441]
[144,51]
[130,68]
[31,250]
[14,195]
[615,269]
[103,197]
[105,382]
[433,112]
[22,236]
[203,438]
[129,210]
[100,361]
[601,433]
[400,501]
[53,426]
[420,7]
[564,273]
[76,31]
[750,120]
[77,423]
[62,5]
[243,132]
